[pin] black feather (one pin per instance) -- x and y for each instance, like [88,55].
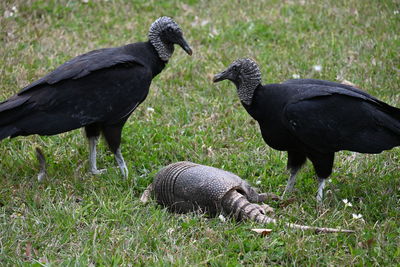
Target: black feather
[103,86]
[316,118]
[97,90]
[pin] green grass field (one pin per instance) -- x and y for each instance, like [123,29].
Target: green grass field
[76,219]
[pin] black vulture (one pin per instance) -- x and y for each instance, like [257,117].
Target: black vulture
[313,119]
[98,90]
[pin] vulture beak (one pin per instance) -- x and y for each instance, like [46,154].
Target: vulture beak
[185,46]
[221,76]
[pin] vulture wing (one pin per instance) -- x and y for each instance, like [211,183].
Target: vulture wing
[329,119]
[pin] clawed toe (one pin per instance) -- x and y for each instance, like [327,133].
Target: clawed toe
[267,209]
[267,196]
[41,176]
[97,172]
[124,171]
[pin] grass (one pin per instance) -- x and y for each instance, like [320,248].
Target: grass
[76,219]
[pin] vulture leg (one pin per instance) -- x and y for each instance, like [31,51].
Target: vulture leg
[294,164]
[93,155]
[42,164]
[121,163]
[320,192]
[93,133]
[112,134]
[323,164]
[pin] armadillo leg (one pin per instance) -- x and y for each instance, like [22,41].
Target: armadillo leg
[254,197]
[238,205]
[263,197]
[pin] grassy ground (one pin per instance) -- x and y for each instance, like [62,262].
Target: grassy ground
[74,218]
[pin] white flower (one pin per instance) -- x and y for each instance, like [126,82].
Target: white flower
[330,181]
[222,218]
[258,182]
[213,32]
[15,9]
[357,216]
[396,12]
[85,1]
[317,68]
[8,14]
[204,22]
[347,203]
[150,109]
[296,76]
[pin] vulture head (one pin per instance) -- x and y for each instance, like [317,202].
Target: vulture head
[245,74]
[163,34]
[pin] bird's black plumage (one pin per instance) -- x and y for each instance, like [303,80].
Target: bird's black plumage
[314,118]
[95,87]
[97,90]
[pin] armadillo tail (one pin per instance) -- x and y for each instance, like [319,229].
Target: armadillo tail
[237,204]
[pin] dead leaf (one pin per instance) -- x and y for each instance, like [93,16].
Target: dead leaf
[187,8]
[367,244]
[210,152]
[346,82]
[146,194]
[28,250]
[287,202]
[262,231]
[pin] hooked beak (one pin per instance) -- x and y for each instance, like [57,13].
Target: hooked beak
[220,76]
[185,46]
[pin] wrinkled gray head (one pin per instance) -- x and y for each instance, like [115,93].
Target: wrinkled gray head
[163,34]
[245,74]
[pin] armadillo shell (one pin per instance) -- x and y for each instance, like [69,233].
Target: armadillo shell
[186,186]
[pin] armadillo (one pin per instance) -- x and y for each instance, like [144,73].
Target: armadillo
[185,186]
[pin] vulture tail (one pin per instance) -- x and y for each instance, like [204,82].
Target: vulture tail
[6,131]
[10,111]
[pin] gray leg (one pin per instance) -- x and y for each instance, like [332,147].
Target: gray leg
[323,164]
[42,163]
[320,192]
[295,162]
[121,163]
[92,155]
[292,181]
